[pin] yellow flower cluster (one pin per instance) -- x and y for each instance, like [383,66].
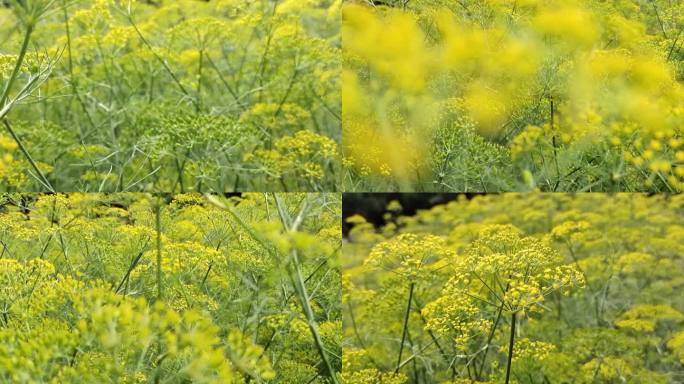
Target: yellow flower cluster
[11,172]
[526,349]
[548,79]
[645,317]
[677,345]
[373,376]
[7,63]
[591,282]
[87,294]
[275,117]
[524,270]
[634,262]
[305,154]
[456,316]
[607,369]
[408,254]
[106,327]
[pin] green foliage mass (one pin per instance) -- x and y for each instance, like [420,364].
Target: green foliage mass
[591,282]
[513,95]
[172,96]
[133,288]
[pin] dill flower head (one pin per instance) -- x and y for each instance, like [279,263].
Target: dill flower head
[456,316]
[517,270]
[372,376]
[676,343]
[408,254]
[645,317]
[526,349]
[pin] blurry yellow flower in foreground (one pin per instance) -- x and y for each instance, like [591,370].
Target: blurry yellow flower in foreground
[394,46]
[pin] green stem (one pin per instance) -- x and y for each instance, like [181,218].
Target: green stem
[23,149]
[295,274]
[418,309]
[159,253]
[405,328]
[478,372]
[510,348]
[164,64]
[230,89]
[311,320]
[17,66]
[5,96]
[198,105]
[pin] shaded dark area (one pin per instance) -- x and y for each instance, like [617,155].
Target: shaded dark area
[24,201]
[373,206]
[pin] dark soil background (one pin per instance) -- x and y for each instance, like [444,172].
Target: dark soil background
[373,206]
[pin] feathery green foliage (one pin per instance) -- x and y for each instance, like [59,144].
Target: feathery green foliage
[132,288]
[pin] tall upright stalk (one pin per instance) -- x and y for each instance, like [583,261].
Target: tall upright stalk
[294,271]
[41,176]
[404,332]
[5,96]
[198,105]
[297,279]
[478,373]
[159,247]
[17,65]
[510,348]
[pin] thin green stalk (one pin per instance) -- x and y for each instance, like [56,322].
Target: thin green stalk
[17,66]
[230,89]
[324,104]
[672,47]
[126,277]
[510,348]
[264,56]
[295,274]
[311,320]
[405,328]
[198,106]
[179,169]
[660,21]
[5,96]
[288,91]
[478,373]
[162,62]
[412,358]
[43,180]
[555,146]
[159,253]
[72,77]
[418,309]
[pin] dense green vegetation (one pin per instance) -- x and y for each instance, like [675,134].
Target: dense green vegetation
[518,288]
[513,95]
[186,95]
[133,288]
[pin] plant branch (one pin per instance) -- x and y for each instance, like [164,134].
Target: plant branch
[510,348]
[405,327]
[41,177]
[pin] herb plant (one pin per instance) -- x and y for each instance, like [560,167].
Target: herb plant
[513,95]
[517,288]
[173,96]
[134,288]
